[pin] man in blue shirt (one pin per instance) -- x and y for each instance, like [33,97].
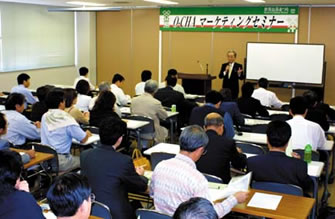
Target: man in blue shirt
[23,81]
[19,127]
[58,128]
[213,101]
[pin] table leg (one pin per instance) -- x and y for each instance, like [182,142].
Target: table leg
[325,193]
[171,130]
[315,195]
[138,133]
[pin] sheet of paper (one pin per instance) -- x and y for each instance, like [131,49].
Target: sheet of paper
[266,201]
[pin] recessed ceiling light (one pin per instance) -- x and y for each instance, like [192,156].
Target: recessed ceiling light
[165,2]
[85,3]
[255,1]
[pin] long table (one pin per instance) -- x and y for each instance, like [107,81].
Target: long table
[39,157]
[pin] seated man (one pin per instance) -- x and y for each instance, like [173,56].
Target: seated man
[59,128]
[112,174]
[213,101]
[116,88]
[145,76]
[321,105]
[23,81]
[275,166]
[15,199]
[83,75]
[196,208]
[303,131]
[39,108]
[4,145]
[249,105]
[266,97]
[221,151]
[20,129]
[168,97]
[177,180]
[177,87]
[152,108]
[70,197]
[230,106]
[314,113]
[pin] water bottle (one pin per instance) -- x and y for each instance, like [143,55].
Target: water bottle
[174,108]
[308,153]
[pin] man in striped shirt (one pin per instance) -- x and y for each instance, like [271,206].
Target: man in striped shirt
[177,180]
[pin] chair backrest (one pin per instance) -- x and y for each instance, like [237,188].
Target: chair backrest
[158,157]
[315,154]
[213,179]
[250,148]
[93,129]
[281,117]
[51,166]
[100,210]
[259,128]
[148,129]
[150,214]
[278,187]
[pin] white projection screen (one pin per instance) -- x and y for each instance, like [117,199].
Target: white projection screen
[279,62]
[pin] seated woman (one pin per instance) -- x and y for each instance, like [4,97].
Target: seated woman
[83,88]
[15,199]
[39,108]
[103,108]
[71,98]
[20,129]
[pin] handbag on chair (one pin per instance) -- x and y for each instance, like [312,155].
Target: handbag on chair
[139,160]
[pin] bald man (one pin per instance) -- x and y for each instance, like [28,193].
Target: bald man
[231,72]
[221,151]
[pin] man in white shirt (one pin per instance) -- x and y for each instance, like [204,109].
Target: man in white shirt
[145,76]
[266,97]
[83,75]
[303,131]
[116,87]
[177,87]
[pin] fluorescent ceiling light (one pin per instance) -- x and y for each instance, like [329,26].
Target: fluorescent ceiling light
[85,3]
[165,2]
[255,1]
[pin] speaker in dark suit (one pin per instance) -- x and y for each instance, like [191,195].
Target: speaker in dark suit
[231,72]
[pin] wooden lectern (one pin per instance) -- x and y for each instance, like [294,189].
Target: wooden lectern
[196,83]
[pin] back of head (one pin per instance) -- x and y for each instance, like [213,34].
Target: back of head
[263,82]
[172,72]
[67,194]
[226,95]
[171,81]
[104,86]
[247,89]
[278,133]
[105,102]
[319,93]
[70,95]
[192,138]
[311,98]
[42,92]
[151,86]
[14,99]
[213,97]
[10,170]
[54,98]
[213,119]
[298,105]
[83,71]
[3,122]
[22,77]
[196,208]
[111,129]
[146,75]
[83,87]
[117,77]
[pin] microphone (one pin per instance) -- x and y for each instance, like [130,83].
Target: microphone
[201,67]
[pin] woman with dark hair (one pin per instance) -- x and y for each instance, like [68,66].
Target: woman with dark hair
[39,108]
[83,89]
[228,105]
[103,108]
[71,98]
[15,199]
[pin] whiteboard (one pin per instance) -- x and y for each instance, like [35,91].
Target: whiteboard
[299,63]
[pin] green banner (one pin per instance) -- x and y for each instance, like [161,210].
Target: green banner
[230,19]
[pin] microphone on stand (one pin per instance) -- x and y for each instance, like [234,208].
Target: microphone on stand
[201,67]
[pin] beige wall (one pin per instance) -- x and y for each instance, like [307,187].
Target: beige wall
[127,42]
